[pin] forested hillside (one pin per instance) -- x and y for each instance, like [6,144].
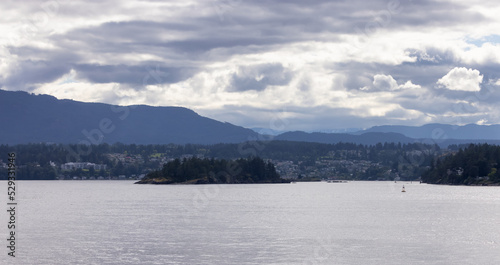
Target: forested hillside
[473,165]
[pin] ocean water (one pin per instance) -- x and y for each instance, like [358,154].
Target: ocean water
[117,222]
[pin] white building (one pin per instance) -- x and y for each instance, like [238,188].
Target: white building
[82,165]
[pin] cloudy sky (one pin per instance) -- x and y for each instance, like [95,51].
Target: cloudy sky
[286,65]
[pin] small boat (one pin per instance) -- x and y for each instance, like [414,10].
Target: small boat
[336,181]
[403,189]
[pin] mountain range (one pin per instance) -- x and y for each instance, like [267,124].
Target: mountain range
[442,131]
[30,118]
[369,138]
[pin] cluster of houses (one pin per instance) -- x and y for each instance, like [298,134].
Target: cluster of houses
[70,166]
[287,169]
[121,177]
[325,169]
[83,165]
[126,158]
[339,163]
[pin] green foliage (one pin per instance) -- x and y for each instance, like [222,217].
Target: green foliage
[474,165]
[204,171]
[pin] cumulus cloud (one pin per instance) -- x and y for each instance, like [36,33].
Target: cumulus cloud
[389,84]
[463,79]
[409,85]
[385,82]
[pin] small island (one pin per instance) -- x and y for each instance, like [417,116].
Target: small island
[214,171]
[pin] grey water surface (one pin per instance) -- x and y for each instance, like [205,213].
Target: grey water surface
[117,222]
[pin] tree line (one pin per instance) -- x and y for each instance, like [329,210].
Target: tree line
[473,165]
[214,171]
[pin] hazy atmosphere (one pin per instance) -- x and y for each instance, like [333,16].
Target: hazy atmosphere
[294,65]
[250,132]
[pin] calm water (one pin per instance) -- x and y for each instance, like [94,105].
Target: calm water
[116,222]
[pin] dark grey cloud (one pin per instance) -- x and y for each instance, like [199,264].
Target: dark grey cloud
[489,94]
[365,16]
[30,72]
[259,77]
[435,13]
[38,65]
[280,23]
[191,43]
[357,75]
[135,75]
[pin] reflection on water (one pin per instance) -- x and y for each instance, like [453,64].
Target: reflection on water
[116,222]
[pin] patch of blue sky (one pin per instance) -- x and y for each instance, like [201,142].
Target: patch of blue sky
[494,39]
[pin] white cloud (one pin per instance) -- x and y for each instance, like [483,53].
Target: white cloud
[482,122]
[409,85]
[385,82]
[487,53]
[463,79]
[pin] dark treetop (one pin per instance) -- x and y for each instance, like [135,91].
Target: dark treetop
[474,165]
[214,171]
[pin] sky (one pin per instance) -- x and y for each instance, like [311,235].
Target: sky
[313,65]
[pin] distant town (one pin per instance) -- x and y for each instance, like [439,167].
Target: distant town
[297,161]
[292,160]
